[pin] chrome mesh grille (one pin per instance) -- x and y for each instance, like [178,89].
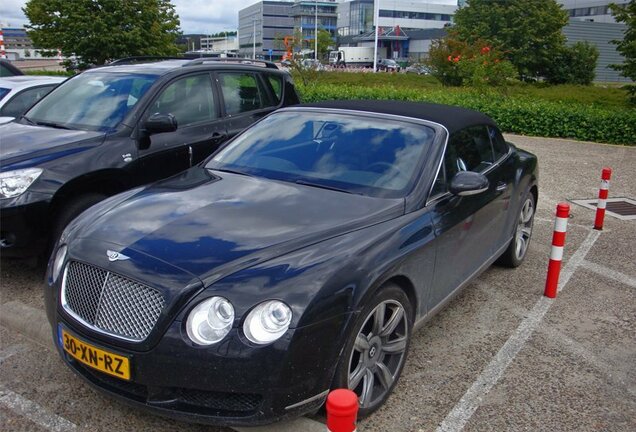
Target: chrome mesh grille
[109,302]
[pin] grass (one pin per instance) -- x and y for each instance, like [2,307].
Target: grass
[588,113]
[602,97]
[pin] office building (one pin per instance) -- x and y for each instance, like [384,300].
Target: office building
[262,26]
[591,10]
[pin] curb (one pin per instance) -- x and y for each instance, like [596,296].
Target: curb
[33,324]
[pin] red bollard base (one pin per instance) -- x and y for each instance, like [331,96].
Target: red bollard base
[342,411]
[552,281]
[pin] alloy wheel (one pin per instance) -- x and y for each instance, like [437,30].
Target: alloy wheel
[378,353]
[524,228]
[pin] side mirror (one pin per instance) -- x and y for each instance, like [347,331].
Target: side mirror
[160,123]
[466,183]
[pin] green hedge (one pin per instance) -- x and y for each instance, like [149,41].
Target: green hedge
[514,114]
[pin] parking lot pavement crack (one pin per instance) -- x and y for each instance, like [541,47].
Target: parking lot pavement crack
[34,412]
[461,413]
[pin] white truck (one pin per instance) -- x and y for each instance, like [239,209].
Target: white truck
[354,56]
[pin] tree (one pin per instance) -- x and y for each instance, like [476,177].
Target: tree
[325,41]
[102,30]
[457,63]
[527,31]
[575,64]
[627,47]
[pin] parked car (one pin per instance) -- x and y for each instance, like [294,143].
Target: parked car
[7,69]
[417,69]
[112,128]
[19,93]
[388,65]
[298,258]
[311,64]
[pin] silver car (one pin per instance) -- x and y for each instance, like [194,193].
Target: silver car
[19,93]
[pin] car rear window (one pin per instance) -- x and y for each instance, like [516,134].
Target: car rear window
[277,86]
[241,92]
[355,153]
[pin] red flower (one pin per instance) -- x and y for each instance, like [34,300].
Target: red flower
[456,59]
[485,50]
[450,58]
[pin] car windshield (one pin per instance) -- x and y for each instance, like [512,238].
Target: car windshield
[91,101]
[4,92]
[364,154]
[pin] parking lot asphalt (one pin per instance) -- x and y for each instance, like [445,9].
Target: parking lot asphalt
[499,357]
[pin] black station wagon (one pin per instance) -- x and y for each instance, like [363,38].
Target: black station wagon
[112,128]
[297,259]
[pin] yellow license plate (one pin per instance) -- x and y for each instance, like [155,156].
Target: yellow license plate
[104,361]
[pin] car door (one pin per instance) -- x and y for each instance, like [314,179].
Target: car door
[465,227]
[244,99]
[504,175]
[192,100]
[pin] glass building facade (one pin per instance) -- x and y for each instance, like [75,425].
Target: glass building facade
[355,17]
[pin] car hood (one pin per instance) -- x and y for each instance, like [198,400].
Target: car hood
[211,224]
[22,142]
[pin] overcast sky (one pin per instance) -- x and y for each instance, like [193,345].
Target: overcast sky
[197,16]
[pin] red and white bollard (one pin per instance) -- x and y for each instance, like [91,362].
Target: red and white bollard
[342,411]
[556,254]
[603,193]
[3,54]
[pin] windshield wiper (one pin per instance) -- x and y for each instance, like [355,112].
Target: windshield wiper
[50,124]
[27,119]
[231,171]
[322,186]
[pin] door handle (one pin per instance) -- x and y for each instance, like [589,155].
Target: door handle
[216,136]
[501,186]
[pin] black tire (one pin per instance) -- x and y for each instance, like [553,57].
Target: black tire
[375,369]
[518,247]
[70,210]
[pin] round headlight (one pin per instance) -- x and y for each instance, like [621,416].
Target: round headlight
[58,262]
[267,322]
[210,321]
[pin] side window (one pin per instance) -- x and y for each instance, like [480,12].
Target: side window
[277,85]
[240,92]
[189,99]
[468,150]
[440,185]
[499,145]
[23,101]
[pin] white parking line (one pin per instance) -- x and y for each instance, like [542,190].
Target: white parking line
[34,412]
[26,408]
[610,274]
[472,399]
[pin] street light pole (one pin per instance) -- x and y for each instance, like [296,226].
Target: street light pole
[376,14]
[254,41]
[316,33]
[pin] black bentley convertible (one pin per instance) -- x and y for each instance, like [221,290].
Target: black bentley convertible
[298,258]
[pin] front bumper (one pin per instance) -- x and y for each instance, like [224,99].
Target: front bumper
[24,225]
[232,383]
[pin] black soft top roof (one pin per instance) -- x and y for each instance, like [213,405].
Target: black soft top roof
[451,117]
